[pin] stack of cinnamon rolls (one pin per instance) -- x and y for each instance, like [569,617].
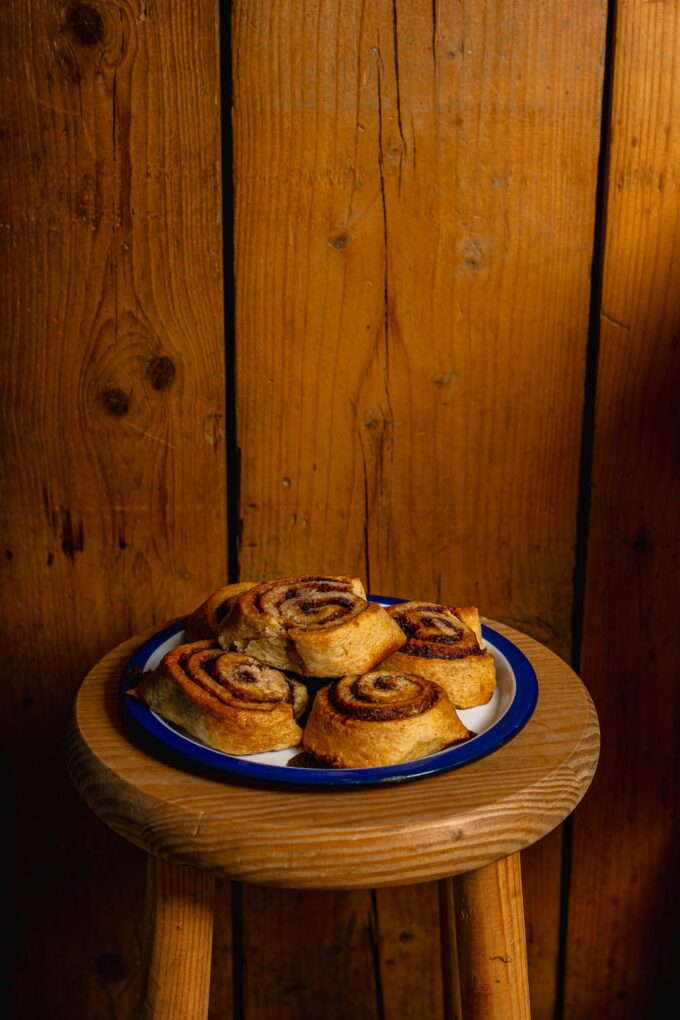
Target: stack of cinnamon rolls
[383,683]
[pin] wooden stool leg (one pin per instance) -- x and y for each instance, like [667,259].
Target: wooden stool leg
[491,942]
[178,926]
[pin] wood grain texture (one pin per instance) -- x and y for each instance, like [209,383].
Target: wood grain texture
[491,943]
[359,838]
[370,838]
[305,955]
[414,199]
[408,934]
[449,952]
[366,953]
[623,933]
[541,865]
[221,1004]
[112,395]
[178,930]
[412,279]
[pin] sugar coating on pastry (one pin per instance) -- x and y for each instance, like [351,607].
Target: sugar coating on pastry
[229,701]
[383,717]
[320,626]
[444,644]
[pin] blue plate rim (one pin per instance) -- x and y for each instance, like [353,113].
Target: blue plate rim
[183,749]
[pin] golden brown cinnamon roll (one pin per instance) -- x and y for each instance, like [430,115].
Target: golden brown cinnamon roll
[444,645]
[381,718]
[227,700]
[204,622]
[314,626]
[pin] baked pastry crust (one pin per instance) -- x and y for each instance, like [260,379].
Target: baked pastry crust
[204,623]
[227,700]
[381,718]
[444,645]
[313,625]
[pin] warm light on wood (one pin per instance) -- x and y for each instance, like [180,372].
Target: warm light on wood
[492,953]
[414,197]
[378,836]
[456,823]
[178,939]
[623,948]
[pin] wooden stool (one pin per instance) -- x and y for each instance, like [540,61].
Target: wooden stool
[469,823]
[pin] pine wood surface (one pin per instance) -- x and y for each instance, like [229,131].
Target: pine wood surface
[623,942]
[112,389]
[414,198]
[412,281]
[326,964]
[407,924]
[109,157]
[452,1009]
[492,952]
[221,1005]
[380,836]
[178,934]
[364,953]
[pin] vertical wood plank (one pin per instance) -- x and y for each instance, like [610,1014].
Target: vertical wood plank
[309,954]
[623,934]
[541,865]
[221,1004]
[450,964]
[112,390]
[407,923]
[344,954]
[414,200]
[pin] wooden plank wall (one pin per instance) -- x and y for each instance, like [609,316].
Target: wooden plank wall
[624,872]
[113,400]
[414,215]
[414,223]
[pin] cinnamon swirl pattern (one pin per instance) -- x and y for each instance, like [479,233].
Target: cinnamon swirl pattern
[204,623]
[381,718]
[444,644]
[227,700]
[313,625]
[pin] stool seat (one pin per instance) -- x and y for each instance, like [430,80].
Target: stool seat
[445,825]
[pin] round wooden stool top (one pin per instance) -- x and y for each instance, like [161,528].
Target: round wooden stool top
[324,838]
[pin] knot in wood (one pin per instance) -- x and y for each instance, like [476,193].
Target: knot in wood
[375,419]
[338,242]
[161,372]
[116,401]
[111,967]
[86,23]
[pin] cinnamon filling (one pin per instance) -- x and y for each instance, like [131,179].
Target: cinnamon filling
[201,665]
[434,634]
[438,650]
[296,604]
[365,697]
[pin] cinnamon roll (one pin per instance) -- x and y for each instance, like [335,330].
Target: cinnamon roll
[204,622]
[314,626]
[444,644]
[227,700]
[381,718]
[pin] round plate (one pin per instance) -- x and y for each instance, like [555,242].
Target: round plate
[495,723]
